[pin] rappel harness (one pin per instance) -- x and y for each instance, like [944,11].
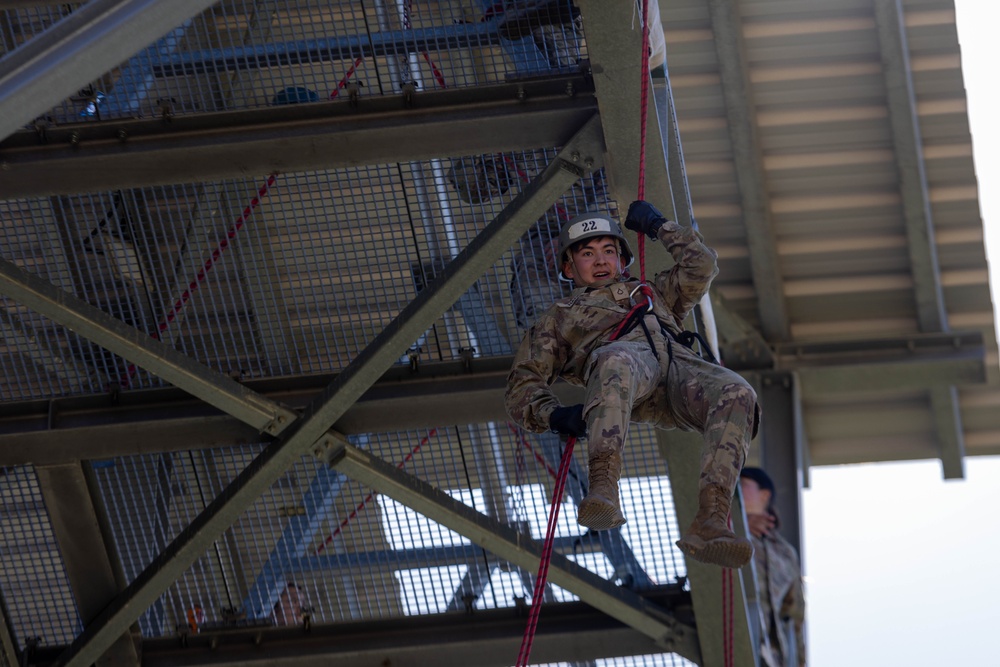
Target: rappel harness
[636,316]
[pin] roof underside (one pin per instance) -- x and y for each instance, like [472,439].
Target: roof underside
[277,259]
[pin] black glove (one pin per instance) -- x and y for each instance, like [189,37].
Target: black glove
[643,218]
[568,421]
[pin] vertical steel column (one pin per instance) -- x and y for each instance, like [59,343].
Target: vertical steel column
[917,214]
[781,450]
[615,47]
[94,573]
[9,655]
[682,452]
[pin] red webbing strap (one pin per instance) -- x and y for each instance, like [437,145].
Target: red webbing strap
[543,565]
[727,617]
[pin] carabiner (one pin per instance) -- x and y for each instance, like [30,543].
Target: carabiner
[649,299]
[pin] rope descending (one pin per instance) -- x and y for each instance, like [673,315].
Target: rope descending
[543,565]
[636,314]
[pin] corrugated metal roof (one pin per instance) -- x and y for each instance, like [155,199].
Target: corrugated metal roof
[823,122]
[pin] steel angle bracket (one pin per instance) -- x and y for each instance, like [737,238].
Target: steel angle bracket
[517,548]
[583,151]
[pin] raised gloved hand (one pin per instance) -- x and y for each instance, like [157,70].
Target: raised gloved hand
[568,421]
[643,218]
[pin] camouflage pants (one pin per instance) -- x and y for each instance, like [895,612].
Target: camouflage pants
[625,382]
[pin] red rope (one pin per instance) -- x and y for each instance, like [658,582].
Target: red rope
[343,82]
[643,102]
[407,24]
[350,517]
[543,565]
[727,616]
[538,457]
[224,244]
[203,272]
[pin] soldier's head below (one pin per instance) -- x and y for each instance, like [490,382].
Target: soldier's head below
[758,491]
[593,251]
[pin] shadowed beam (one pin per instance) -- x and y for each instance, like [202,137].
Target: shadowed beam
[91,41]
[749,166]
[450,394]
[310,431]
[512,546]
[79,525]
[922,361]
[913,188]
[295,138]
[570,632]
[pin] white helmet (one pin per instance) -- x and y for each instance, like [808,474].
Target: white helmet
[588,226]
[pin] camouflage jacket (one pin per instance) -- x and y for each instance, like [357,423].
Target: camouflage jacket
[561,341]
[781,599]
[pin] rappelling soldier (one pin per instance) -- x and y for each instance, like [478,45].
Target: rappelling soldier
[639,368]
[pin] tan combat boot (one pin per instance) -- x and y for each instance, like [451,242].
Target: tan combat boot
[601,509]
[709,539]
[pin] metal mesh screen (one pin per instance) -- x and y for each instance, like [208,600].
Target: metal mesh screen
[287,274]
[23,23]
[320,544]
[295,274]
[245,54]
[32,576]
[660,660]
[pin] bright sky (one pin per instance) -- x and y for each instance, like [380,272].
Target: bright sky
[903,568]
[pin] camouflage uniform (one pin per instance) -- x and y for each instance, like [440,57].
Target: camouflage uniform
[624,380]
[781,599]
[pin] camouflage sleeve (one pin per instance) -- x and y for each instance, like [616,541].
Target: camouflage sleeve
[695,267]
[793,607]
[529,399]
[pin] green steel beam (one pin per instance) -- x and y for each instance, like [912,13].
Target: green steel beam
[310,431]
